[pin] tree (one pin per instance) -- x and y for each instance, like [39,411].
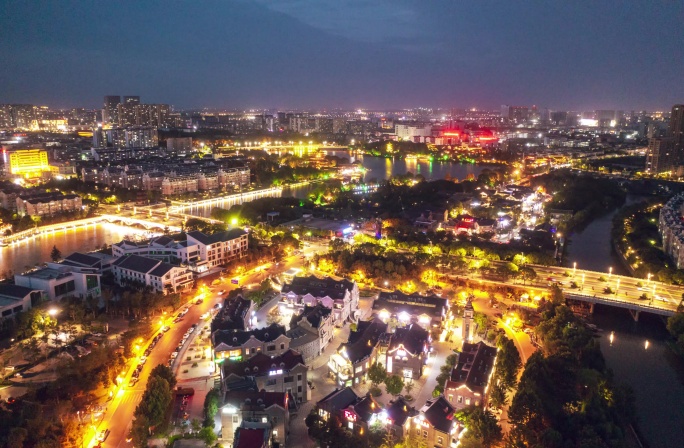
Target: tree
[16,438]
[482,426]
[55,255]
[196,425]
[211,403]
[508,362]
[207,435]
[377,374]
[497,397]
[394,384]
[675,325]
[165,372]
[408,387]
[155,401]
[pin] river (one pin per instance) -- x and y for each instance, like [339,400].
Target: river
[654,372]
[381,168]
[31,251]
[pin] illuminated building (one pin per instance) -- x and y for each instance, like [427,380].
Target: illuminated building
[110,113]
[468,384]
[660,155]
[677,128]
[350,364]
[29,163]
[407,352]
[427,311]
[23,115]
[271,409]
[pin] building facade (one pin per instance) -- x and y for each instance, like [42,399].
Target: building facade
[340,296]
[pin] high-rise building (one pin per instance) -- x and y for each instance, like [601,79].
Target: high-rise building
[23,115]
[128,114]
[5,116]
[515,114]
[131,100]
[110,113]
[676,130]
[660,156]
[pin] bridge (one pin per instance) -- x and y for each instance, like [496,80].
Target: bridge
[226,201]
[81,223]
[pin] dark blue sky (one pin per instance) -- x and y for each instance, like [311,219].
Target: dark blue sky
[577,55]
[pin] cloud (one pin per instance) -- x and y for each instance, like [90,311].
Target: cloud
[372,21]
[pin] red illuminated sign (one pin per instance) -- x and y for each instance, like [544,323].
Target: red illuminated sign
[349,415]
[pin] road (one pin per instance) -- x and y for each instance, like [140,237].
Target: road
[119,415]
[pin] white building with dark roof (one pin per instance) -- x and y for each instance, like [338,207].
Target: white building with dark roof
[219,248]
[14,299]
[160,276]
[160,248]
[243,344]
[311,331]
[60,280]
[342,296]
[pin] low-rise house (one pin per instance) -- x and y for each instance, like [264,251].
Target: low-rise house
[47,204]
[356,413]
[254,435]
[341,296]
[348,366]
[158,275]
[426,311]
[219,248]
[399,413]
[469,381]
[236,314]
[407,352]
[283,373]
[436,424]
[311,331]
[59,281]
[15,299]
[241,344]
[272,408]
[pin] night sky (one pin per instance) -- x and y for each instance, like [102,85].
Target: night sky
[578,55]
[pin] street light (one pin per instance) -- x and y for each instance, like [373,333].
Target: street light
[574,268]
[53,312]
[610,271]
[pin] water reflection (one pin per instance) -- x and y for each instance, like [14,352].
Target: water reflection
[32,251]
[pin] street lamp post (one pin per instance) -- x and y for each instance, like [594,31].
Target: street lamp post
[574,268]
[610,272]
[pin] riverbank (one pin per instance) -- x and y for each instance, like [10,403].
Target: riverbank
[653,371]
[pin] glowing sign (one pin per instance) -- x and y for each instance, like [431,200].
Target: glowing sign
[349,415]
[275,372]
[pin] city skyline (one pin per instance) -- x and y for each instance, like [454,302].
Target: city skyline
[299,54]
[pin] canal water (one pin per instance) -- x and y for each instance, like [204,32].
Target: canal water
[27,253]
[381,168]
[655,374]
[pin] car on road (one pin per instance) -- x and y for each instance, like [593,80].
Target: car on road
[174,355]
[199,301]
[221,292]
[102,436]
[133,381]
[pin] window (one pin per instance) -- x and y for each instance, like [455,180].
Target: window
[460,399]
[451,398]
[275,433]
[270,348]
[282,346]
[289,379]
[65,288]
[468,401]
[264,419]
[425,434]
[235,419]
[299,377]
[299,388]
[440,440]
[350,425]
